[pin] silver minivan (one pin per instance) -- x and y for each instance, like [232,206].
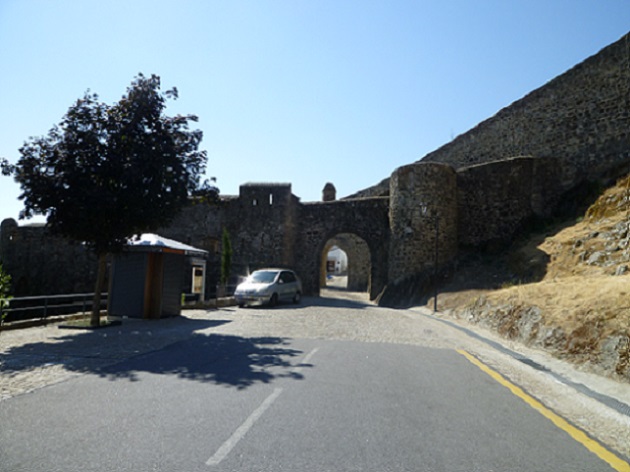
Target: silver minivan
[269,286]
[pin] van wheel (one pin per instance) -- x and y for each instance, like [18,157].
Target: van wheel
[297,297]
[273,301]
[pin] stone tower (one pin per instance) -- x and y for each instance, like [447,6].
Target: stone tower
[263,226]
[423,207]
[329,194]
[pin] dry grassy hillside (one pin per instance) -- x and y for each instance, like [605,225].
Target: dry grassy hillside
[578,307]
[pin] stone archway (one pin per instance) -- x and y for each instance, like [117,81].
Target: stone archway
[359,264]
[366,223]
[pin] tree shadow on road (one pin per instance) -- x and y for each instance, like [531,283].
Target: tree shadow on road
[166,347]
[221,359]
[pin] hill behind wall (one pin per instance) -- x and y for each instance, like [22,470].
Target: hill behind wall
[581,118]
[563,288]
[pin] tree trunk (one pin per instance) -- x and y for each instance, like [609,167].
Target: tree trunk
[95,318]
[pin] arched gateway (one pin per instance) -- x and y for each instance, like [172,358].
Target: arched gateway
[319,222]
[268,226]
[350,257]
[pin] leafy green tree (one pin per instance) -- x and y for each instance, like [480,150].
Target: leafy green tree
[108,172]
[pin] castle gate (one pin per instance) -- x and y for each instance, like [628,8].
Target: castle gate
[358,261]
[320,222]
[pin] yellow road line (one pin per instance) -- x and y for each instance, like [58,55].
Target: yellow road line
[580,436]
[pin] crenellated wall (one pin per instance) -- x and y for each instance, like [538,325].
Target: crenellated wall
[432,211]
[262,226]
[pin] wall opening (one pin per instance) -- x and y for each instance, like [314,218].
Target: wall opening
[337,268]
[346,264]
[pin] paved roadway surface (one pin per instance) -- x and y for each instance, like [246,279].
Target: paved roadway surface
[330,385]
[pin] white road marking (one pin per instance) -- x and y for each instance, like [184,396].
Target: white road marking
[242,430]
[306,360]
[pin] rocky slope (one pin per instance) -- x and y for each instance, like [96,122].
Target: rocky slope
[565,289]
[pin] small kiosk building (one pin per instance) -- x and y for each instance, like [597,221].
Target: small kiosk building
[148,277]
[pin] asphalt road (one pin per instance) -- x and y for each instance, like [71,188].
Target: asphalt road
[242,399]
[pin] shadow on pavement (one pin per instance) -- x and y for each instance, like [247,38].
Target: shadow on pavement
[220,359]
[168,346]
[327,299]
[332,301]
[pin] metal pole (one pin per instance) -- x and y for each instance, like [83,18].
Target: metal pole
[437,252]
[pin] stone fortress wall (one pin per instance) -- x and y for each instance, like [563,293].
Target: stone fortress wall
[423,208]
[478,190]
[579,118]
[41,264]
[495,200]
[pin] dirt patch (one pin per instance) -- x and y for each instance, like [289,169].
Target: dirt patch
[565,289]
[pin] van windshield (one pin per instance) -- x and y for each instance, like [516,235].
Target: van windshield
[263,277]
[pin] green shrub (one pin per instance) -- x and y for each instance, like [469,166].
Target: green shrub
[5,287]
[226,257]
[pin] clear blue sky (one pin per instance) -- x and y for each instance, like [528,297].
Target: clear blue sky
[299,91]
